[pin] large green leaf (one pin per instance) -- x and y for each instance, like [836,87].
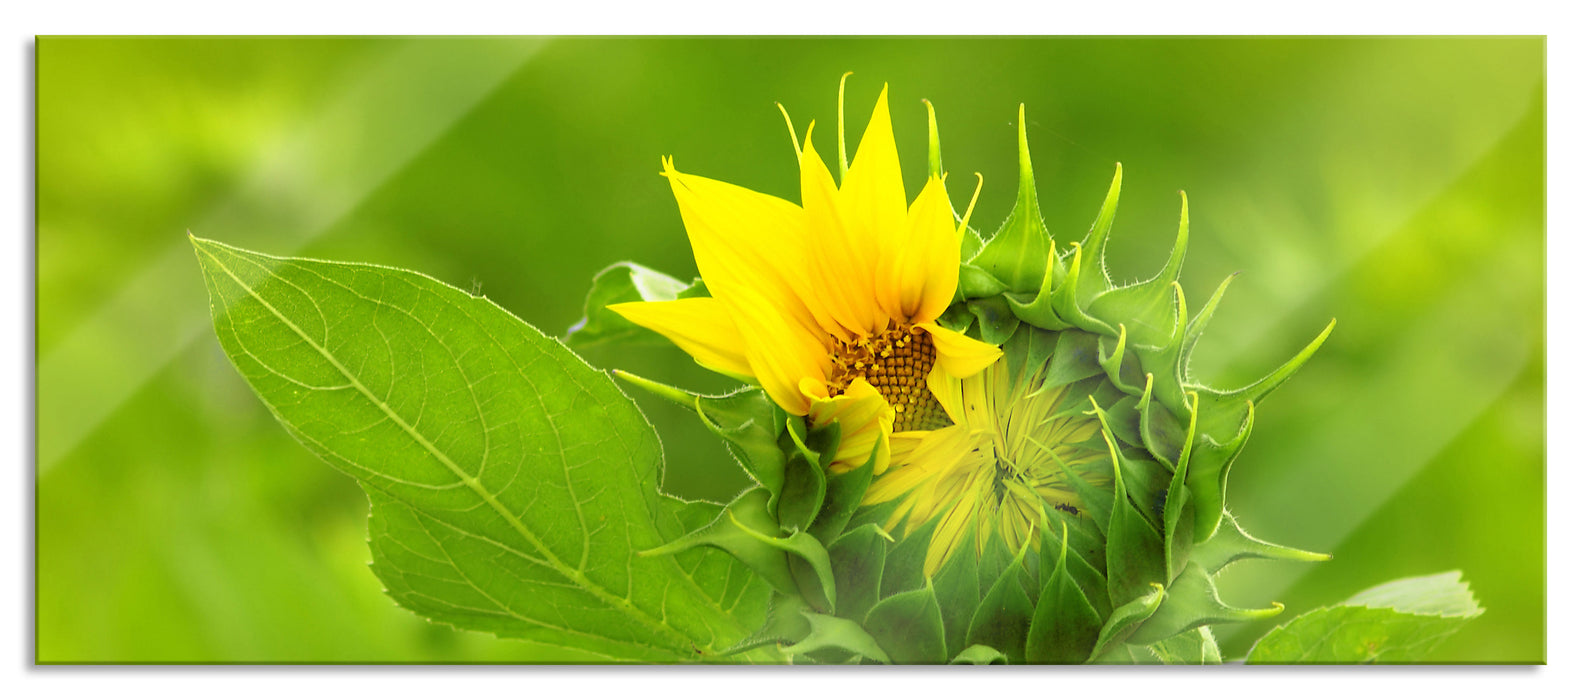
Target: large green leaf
[512,485]
[1396,622]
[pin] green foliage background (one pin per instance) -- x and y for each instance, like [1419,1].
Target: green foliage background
[1396,184]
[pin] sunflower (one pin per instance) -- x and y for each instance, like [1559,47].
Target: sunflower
[831,306]
[1011,447]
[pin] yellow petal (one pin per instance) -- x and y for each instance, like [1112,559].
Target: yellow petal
[700,326]
[865,419]
[924,264]
[745,240]
[781,355]
[904,444]
[958,355]
[948,391]
[841,263]
[915,460]
[872,195]
[750,250]
[951,531]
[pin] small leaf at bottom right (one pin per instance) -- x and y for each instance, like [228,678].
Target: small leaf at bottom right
[1398,622]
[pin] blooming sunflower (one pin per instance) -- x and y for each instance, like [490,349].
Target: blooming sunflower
[830,306]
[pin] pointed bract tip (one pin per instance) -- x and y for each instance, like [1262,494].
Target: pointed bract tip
[1021,131]
[962,228]
[790,127]
[807,452]
[935,166]
[840,124]
[807,139]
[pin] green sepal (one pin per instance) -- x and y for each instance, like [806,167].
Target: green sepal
[1040,310]
[1095,502]
[1094,279]
[1192,601]
[745,529]
[857,558]
[810,567]
[740,530]
[1126,618]
[842,498]
[746,419]
[1065,304]
[1180,514]
[620,283]
[1214,400]
[1126,376]
[1195,647]
[1160,433]
[973,282]
[908,626]
[1016,252]
[1085,562]
[1164,361]
[1199,323]
[957,318]
[980,655]
[1023,355]
[1005,613]
[1133,551]
[995,559]
[837,633]
[1064,625]
[1123,419]
[1155,321]
[807,463]
[903,567]
[1231,543]
[1075,358]
[1147,486]
[783,624]
[956,587]
[971,243]
[996,323]
[1208,473]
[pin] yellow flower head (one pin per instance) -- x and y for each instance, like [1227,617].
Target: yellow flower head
[831,305]
[990,472]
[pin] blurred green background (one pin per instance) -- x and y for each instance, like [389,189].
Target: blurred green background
[1394,184]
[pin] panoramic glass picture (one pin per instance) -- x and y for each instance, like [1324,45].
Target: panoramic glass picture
[790,351]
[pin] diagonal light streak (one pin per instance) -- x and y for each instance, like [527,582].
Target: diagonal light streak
[314,176]
[1340,482]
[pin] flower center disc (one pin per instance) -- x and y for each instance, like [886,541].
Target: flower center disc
[896,362]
